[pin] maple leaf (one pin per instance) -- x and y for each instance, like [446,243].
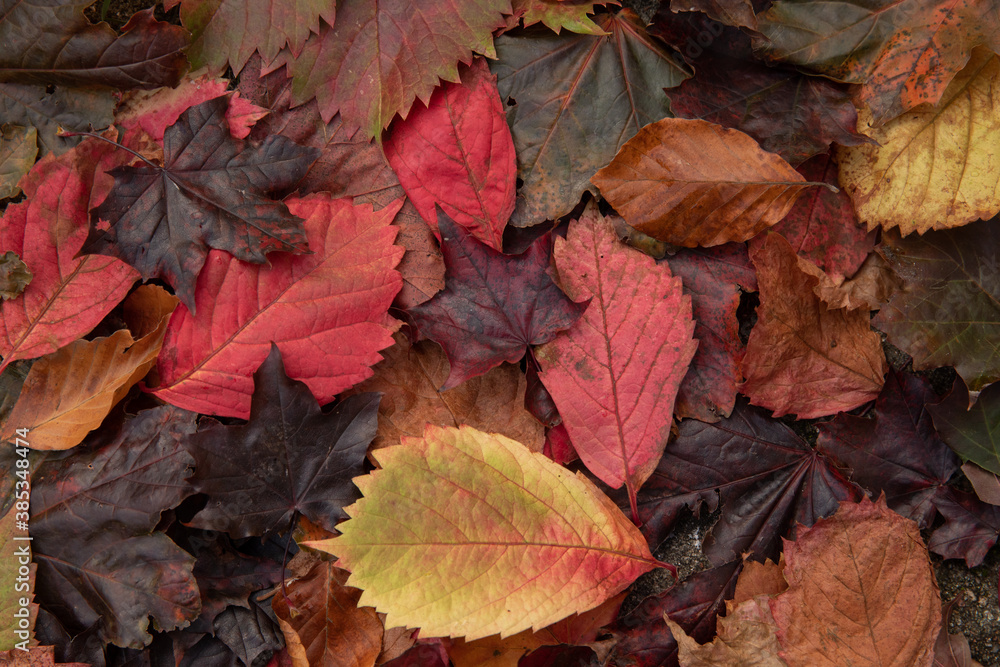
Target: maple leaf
[210,193]
[457,153]
[207,360]
[844,604]
[289,459]
[559,14]
[714,278]
[406,48]
[67,296]
[567,117]
[971,430]
[948,312]
[746,636]
[247,633]
[692,183]
[408,379]
[18,149]
[493,306]
[929,167]
[614,374]
[520,564]
[801,357]
[904,53]
[92,517]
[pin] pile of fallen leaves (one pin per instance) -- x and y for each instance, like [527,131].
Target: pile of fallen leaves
[438,330]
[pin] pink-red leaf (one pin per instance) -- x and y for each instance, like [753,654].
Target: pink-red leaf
[327,311]
[457,153]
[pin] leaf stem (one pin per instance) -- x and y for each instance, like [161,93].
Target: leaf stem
[63,133]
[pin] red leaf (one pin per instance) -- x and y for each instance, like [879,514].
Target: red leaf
[614,375]
[68,296]
[457,153]
[347,283]
[493,306]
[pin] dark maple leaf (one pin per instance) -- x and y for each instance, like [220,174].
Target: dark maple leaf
[971,527]
[971,430]
[92,515]
[289,459]
[210,193]
[493,305]
[248,632]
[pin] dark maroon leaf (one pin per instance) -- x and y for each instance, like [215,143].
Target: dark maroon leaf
[562,655]
[91,518]
[971,527]
[714,278]
[644,640]
[290,458]
[249,632]
[493,305]
[731,12]
[768,478]
[211,193]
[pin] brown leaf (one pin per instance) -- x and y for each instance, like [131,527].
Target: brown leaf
[985,483]
[861,592]
[422,266]
[767,578]
[746,636]
[693,183]
[801,357]
[869,289]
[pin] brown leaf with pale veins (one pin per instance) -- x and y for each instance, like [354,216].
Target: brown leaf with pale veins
[408,378]
[746,636]
[322,622]
[693,183]
[801,357]
[861,591]
[422,266]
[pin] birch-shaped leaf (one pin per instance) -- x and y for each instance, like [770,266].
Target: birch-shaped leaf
[615,374]
[464,533]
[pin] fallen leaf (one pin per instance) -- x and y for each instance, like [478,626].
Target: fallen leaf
[408,379]
[692,183]
[422,267]
[868,289]
[559,14]
[928,169]
[948,310]
[614,374]
[248,633]
[731,12]
[18,148]
[985,484]
[207,360]
[457,153]
[68,295]
[493,306]
[746,636]
[567,118]
[845,605]
[17,572]
[970,530]
[972,431]
[53,112]
[290,458]
[801,357]
[952,650]
[407,48]
[35,656]
[758,578]
[212,192]
[14,276]
[517,564]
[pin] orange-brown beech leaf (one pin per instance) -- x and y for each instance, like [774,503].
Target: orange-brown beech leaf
[861,591]
[693,183]
[746,636]
[346,284]
[930,168]
[486,537]
[457,153]
[903,52]
[802,358]
[614,374]
[68,295]
[68,393]
[409,378]
[378,58]
[35,656]
[322,622]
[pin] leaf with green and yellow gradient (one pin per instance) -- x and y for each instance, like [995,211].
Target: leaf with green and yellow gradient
[465,533]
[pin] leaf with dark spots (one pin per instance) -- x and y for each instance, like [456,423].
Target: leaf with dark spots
[290,458]
[494,305]
[91,519]
[212,192]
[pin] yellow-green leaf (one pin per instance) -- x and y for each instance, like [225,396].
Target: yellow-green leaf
[465,533]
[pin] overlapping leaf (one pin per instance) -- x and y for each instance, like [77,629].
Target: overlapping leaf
[493,306]
[379,57]
[558,15]
[212,192]
[692,183]
[54,112]
[929,169]
[349,281]
[514,541]
[14,276]
[973,432]
[614,374]
[18,149]
[290,458]
[567,116]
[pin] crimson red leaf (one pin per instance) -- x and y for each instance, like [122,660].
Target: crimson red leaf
[289,459]
[210,193]
[457,153]
[493,306]
[348,282]
[67,296]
